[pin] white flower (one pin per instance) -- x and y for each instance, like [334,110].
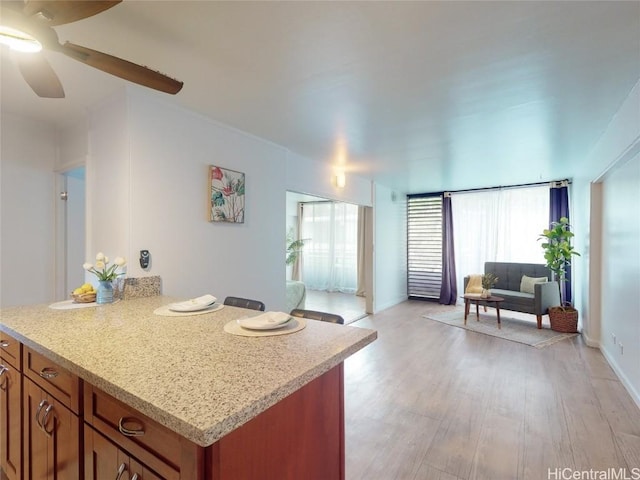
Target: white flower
[103,270]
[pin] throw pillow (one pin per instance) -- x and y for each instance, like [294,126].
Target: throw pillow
[527,283]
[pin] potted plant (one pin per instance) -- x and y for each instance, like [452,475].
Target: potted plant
[488,281]
[558,253]
[294,248]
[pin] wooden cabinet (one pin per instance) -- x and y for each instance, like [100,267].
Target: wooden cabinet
[51,437]
[104,460]
[51,426]
[161,450]
[300,437]
[10,350]
[59,382]
[10,409]
[55,426]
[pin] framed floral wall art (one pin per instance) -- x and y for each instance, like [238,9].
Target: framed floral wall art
[227,195]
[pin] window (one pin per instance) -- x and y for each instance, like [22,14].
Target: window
[330,254]
[424,246]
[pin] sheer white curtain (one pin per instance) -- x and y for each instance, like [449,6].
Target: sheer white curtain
[498,226]
[329,256]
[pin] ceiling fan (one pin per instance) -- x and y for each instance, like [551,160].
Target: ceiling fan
[27,26]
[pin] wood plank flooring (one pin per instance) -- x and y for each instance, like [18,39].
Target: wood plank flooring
[429,401]
[349,306]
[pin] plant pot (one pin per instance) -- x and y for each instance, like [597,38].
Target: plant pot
[563,319]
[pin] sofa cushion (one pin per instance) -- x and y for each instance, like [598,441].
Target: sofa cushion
[512,297]
[527,284]
[510,274]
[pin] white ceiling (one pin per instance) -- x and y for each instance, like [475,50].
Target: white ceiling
[417,95]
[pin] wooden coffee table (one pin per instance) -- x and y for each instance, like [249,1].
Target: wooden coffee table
[477,299]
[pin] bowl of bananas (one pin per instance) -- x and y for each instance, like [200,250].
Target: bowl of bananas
[84,294]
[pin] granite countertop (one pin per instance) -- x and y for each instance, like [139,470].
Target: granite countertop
[184,372]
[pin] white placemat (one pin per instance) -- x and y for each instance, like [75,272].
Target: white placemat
[70,304]
[294,325]
[165,312]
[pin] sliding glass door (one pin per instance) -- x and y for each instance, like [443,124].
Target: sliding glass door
[329,257]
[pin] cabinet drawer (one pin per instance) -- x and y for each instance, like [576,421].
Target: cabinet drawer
[163,450]
[10,350]
[57,381]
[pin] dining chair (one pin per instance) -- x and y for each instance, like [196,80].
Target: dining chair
[315,315]
[244,303]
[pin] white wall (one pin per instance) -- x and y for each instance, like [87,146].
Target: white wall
[621,135]
[611,306]
[620,339]
[27,247]
[390,248]
[72,146]
[108,180]
[171,150]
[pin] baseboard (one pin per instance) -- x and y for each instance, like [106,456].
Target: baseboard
[589,341]
[389,304]
[635,395]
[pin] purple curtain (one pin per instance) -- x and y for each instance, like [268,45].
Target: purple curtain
[558,208]
[448,288]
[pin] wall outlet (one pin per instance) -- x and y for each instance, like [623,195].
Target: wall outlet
[621,349]
[613,335]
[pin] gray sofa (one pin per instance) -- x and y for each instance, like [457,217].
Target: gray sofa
[508,287]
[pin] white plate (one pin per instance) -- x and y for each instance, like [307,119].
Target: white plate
[266,321]
[194,304]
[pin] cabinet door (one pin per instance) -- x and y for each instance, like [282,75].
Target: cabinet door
[105,461]
[142,472]
[10,421]
[51,437]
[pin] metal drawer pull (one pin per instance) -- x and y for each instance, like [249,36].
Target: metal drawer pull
[4,343]
[48,372]
[37,417]
[120,471]
[135,477]
[3,384]
[45,418]
[127,431]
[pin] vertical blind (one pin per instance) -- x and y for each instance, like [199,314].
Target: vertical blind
[424,246]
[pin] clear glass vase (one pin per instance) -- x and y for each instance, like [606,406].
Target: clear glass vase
[105,292]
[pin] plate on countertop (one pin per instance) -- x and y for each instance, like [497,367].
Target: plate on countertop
[265,321]
[165,311]
[193,304]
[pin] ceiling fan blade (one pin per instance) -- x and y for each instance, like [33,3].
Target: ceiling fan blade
[122,68]
[59,12]
[39,75]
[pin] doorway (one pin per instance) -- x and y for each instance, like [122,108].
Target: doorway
[70,231]
[330,264]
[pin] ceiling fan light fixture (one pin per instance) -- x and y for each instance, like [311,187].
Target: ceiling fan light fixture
[19,40]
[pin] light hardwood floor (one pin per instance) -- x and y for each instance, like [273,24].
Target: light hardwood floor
[435,402]
[349,306]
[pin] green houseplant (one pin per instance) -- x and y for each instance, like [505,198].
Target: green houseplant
[559,253]
[294,248]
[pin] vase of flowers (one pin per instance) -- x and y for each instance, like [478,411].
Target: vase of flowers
[106,275]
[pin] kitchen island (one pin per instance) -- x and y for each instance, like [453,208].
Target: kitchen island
[221,405]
